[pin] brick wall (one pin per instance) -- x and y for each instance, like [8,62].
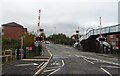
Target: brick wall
[12,32]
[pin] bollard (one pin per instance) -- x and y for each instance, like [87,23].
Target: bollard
[17,53]
[24,48]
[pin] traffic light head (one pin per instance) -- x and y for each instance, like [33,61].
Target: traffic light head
[39,38]
[102,39]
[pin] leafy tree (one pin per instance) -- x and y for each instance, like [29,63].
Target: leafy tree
[28,39]
[9,43]
[43,35]
[60,39]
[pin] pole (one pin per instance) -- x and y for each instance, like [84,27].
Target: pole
[55,30]
[100,28]
[101,36]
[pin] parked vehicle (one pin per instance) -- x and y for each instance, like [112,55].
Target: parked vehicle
[47,42]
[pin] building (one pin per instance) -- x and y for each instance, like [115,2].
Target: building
[12,30]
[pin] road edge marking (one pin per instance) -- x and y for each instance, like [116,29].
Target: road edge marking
[44,65]
[89,61]
[100,60]
[49,70]
[106,71]
[59,66]
[54,71]
[40,65]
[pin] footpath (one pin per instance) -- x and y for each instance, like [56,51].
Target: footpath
[27,67]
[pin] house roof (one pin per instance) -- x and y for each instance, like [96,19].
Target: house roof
[12,24]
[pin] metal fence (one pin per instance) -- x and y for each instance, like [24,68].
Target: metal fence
[110,29]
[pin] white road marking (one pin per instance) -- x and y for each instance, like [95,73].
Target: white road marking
[98,60]
[40,69]
[49,70]
[40,65]
[59,66]
[89,61]
[55,63]
[77,55]
[106,71]
[69,55]
[50,53]
[54,71]
[63,63]
[27,64]
[111,66]
[35,59]
[43,66]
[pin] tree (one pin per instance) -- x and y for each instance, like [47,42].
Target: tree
[43,35]
[28,39]
[9,43]
[60,39]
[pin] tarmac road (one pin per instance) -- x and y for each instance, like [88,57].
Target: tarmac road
[69,61]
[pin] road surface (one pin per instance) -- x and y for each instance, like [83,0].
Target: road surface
[69,61]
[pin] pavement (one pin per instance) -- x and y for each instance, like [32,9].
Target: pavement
[27,67]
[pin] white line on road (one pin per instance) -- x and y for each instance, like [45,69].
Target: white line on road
[50,53]
[40,65]
[88,61]
[106,71]
[98,60]
[40,69]
[77,55]
[54,71]
[111,66]
[60,65]
[43,66]
[69,55]
[27,64]
[49,70]
[63,63]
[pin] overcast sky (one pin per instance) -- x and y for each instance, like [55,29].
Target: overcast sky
[65,15]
